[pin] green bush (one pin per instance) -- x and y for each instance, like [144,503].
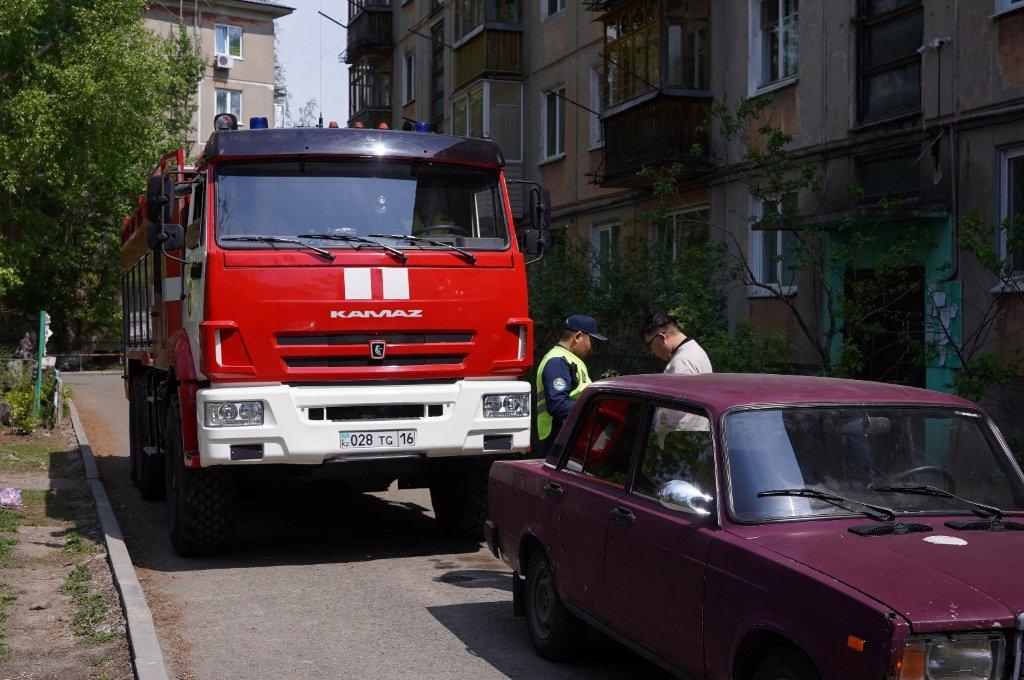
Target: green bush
[19,392]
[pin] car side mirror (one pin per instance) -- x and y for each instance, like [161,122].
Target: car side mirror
[683,496]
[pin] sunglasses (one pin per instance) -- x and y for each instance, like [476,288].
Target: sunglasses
[653,338]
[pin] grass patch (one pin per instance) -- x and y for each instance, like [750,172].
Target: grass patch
[50,506]
[8,520]
[6,598]
[90,609]
[97,660]
[75,544]
[33,454]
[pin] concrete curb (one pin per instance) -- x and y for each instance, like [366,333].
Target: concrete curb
[146,654]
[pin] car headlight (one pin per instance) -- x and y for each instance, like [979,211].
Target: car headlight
[970,656]
[506,405]
[234,413]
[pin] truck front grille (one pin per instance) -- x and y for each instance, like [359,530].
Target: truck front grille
[336,339]
[357,362]
[375,412]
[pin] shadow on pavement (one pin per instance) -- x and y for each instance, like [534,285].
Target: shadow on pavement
[478,578]
[294,525]
[490,632]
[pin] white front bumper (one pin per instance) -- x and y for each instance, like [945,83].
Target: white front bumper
[289,436]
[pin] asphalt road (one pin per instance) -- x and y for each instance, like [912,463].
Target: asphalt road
[323,584]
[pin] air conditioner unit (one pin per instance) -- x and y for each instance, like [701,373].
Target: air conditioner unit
[224,61]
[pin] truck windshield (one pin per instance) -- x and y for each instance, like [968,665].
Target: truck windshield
[455,205]
[863,453]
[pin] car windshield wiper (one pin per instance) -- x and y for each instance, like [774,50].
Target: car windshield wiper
[470,257]
[351,238]
[979,509]
[260,238]
[879,513]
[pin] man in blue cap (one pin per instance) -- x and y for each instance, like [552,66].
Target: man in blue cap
[562,375]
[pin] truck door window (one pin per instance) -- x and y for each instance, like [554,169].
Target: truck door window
[678,446]
[451,203]
[195,231]
[604,444]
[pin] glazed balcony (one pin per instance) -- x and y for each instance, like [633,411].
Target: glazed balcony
[656,132]
[488,52]
[369,32]
[371,116]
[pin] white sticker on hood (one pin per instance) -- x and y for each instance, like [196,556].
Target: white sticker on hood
[945,540]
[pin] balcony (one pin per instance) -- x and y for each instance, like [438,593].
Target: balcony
[656,132]
[490,52]
[369,31]
[371,116]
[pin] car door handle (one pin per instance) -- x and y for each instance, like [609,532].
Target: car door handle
[623,516]
[553,490]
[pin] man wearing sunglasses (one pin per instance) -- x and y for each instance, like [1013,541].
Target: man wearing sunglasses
[666,340]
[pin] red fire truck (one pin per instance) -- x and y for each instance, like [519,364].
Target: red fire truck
[339,303]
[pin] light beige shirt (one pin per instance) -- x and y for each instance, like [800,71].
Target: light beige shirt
[689,359]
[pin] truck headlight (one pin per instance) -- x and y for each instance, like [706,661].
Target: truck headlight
[233,413]
[506,405]
[953,657]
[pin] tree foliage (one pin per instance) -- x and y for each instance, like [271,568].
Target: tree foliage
[89,100]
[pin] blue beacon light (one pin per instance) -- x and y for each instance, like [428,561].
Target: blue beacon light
[258,123]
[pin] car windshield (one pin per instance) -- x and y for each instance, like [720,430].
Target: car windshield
[451,204]
[856,451]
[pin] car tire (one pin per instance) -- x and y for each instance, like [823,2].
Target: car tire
[785,663]
[555,632]
[147,471]
[201,502]
[458,493]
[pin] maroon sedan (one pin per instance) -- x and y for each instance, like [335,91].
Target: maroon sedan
[757,526]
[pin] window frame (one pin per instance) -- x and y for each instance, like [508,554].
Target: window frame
[227,41]
[409,68]
[487,132]
[613,228]
[597,99]
[629,78]
[865,23]
[230,93]
[1004,6]
[437,73]
[1006,156]
[757,83]
[559,123]
[755,256]
[674,215]
[545,7]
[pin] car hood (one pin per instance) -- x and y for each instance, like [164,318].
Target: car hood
[940,580]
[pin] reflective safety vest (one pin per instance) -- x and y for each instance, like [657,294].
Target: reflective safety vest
[544,419]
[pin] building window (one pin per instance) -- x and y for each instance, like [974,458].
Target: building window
[409,87]
[550,7]
[471,13]
[604,239]
[895,174]
[632,50]
[1007,5]
[772,251]
[774,50]
[369,86]
[494,111]
[436,74]
[596,105]
[228,40]
[228,101]
[553,132]
[682,230]
[1011,207]
[889,66]
[688,54]
[357,6]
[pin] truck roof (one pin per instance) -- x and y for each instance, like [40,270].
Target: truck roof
[722,391]
[226,144]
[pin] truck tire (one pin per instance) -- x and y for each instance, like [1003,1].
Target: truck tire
[147,471]
[201,504]
[785,663]
[458,493]
[556,634]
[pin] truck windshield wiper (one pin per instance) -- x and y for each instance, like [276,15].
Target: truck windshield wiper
[419,239]
[879,513]
[279,239]
[362,240]
[979,509]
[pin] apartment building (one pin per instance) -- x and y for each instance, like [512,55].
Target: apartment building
[920,100]
[237,42]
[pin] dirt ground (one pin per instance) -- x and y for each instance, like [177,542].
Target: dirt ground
[60,615]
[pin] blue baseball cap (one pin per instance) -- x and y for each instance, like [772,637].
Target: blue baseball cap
[584,324]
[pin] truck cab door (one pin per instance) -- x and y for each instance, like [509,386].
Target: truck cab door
[194,270]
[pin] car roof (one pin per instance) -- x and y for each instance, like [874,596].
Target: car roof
[270,142]
[719,392]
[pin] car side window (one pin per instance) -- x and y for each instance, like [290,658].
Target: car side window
[604,443]
[679,446]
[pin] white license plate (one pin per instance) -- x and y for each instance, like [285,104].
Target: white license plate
[386,439]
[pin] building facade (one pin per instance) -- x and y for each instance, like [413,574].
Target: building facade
[237,42]
[916,100]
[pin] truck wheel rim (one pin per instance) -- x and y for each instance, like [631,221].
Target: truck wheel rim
[543,601]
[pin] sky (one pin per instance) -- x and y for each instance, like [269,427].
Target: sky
[308,49]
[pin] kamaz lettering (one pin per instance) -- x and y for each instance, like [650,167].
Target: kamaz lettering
[377,314]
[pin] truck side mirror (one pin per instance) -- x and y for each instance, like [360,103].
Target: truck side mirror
[159,199]
[540,208]
[172,237]
[535,241]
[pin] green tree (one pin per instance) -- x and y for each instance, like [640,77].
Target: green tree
[89,100]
